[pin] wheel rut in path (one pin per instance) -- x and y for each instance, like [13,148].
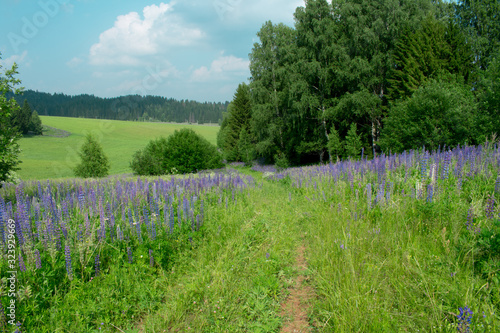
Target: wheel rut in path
[296,306]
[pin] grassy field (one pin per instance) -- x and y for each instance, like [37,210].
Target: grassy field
[54,155]
[401,243]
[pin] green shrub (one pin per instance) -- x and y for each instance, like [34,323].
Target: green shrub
[183,152]
[94,163]
[438,113]
[149,160]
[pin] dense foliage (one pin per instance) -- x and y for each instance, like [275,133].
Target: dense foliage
[9,149]
[378,65]
[184,151]
[234,134]
[438,113]
[132,107]
[94,163]
[24,120]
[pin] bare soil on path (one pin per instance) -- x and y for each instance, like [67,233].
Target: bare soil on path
[296,306]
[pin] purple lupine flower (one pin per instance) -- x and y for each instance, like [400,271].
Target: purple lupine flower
[166,214]
[22,267]
[267,255]
[446,165]
[129,253]
[497,186]
[81,199]
[490,207]
[185,208]
[102,234]
[464,319]
[19,232]
[38,259]
[18,327]
[199,222]
[67,254]
[111,219]
[171,219]
[430,192]
[97,265]
[179,217]
[380,193]
[151,259]
[470,219]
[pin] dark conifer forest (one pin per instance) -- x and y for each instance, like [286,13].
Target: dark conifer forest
[131,107]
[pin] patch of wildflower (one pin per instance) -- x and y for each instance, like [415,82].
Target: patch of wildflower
[464,319]
[490,207]
[497,186]
[38,259]
[22,267]
[97,265]
[67,254]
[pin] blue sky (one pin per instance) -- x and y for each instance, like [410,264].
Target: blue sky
[196,49]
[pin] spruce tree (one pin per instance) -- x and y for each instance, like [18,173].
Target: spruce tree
[240,113]
[353,142]
[35,124]
[21,117]
[93,161]
[431,51]
[335,145]
[245,147]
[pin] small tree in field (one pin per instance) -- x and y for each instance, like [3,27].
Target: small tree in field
[94,163]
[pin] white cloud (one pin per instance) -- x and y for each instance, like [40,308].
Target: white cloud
[74,62]
[222,68]
[16,58]
[132,38]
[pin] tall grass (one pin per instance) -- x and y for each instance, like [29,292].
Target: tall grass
[407,242]
[391,245]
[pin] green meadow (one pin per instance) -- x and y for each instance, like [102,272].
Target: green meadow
[401,243]
[54,155]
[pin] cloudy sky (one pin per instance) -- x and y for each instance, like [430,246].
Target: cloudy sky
[184,49]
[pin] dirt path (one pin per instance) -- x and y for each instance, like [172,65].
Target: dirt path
[297,304]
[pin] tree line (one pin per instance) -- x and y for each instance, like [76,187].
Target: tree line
[131,107]
[362,77]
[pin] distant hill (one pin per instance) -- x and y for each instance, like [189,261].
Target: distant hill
[131,107]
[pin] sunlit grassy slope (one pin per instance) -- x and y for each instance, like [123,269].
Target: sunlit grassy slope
[54,157]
